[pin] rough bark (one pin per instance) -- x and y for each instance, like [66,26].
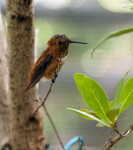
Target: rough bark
[26,131]
[4,120]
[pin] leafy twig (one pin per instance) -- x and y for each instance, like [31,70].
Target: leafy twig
[118,138]
[116,129]
[111,35]
[109,140]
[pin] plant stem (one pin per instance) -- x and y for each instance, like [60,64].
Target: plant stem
[118,138]
[49,90]
[53,125]
[45,108]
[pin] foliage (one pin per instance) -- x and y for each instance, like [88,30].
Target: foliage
[105,113]
[114,34]
[129,7]
[111,35]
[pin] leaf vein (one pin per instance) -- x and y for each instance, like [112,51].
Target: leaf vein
[98,103]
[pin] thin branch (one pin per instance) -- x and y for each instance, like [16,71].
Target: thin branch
[116,129]
[80,144]
[109,140]
[118,138]
[49,90]
[53,125]
[43,104]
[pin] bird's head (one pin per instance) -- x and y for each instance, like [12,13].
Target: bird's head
[59,44]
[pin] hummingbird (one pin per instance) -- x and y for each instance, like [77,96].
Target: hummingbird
[47,63]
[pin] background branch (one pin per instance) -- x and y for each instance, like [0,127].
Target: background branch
[4,111]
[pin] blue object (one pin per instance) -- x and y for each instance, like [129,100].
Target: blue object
[72,142]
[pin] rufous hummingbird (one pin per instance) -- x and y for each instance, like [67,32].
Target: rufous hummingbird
[47,63]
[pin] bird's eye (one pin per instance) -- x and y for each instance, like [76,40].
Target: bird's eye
[59,42]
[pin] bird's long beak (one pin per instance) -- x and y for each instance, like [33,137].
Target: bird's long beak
[78,42]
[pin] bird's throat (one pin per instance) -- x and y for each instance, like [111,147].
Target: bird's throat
[57,54]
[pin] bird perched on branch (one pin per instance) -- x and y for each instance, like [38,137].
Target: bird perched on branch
[47,64]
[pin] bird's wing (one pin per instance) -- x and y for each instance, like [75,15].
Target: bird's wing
[39,71]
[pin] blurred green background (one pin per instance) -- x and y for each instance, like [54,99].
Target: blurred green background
[86,21]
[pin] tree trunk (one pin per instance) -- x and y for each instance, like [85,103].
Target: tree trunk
[26,131]
[4,120]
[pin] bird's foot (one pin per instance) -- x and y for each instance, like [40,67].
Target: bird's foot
[55,75]
[53,80]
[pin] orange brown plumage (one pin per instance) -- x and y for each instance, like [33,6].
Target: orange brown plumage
[47,63]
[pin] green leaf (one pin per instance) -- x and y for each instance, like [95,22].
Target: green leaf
[118,90]
[116,107]
[131,1]
[128,7]
[127,95]
[79,79]
[89,116]
[88,112]
[112,115]
[94,96]
[99,124]
[111,35]
[111,104]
